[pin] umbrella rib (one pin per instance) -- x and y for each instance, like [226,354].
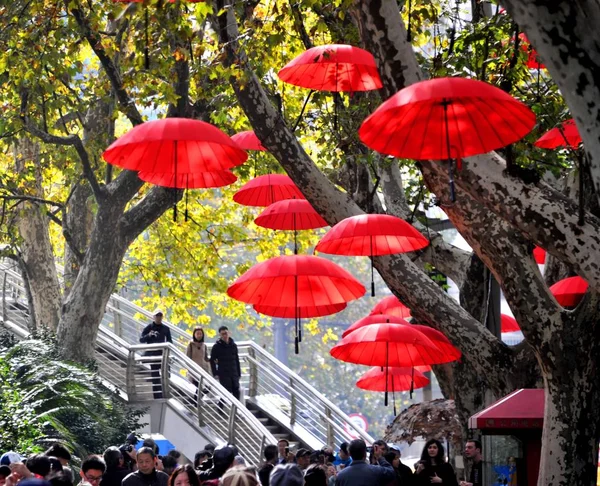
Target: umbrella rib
[466,104]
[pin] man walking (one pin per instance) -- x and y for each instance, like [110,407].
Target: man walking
[146,475]
[154,333]
[473,452]
[360,472]
[225,362]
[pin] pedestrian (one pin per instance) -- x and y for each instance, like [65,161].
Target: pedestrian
[147,474]
[283,449]
[63,455]
[154,333]
[403,472]
[433,467]
[184,476]
[225,362]
[315,475]
[201,458]
[222,460]
[92,470]
[197,351]
[169,464]
[286,475]
[240,476]
[360,472]
[303,458]
[264,472]
[342,459]
[473,453]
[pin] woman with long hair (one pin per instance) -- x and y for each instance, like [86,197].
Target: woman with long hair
[433,467]
[197,351]
[184,476]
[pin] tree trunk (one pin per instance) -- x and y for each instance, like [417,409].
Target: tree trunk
[35,247]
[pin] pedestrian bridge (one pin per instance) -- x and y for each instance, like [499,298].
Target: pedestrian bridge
[275,403]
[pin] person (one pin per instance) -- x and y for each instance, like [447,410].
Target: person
[92,470]
[286,475]
[360,472]
[315,475]
[342,459]
[176,454]
[128,451]
[115,467]
[433,468]
[63,455]
[270,454]
[4,473]
[222,460]
[404,473]
[303,458]
[240,476]
[184,476]
[169,464]
[147,474]
[197,350]
[380,448]
[201,458]
[153,333]
[473,453]
[283,449]
[225,362]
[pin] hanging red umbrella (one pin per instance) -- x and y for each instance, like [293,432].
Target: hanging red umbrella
[371,235]
[392,306]
[398,379]
[508,324]
[568,292]
[266,189]
[296,281]
[302,312]
[445,118]
[248,141]
[448,352]
[290,214]
[539,255]
[387,345]
[533,58]
[564,135]
[333,67]
[374,319]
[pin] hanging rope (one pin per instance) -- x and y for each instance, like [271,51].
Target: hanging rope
[187,192]
[175,182]
[372,280]
[302,110]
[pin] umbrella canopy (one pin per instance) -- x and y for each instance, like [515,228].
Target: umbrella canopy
[374,319]
[448,352]
[248,141]
[190,181]
[539,255]
[370,235]
[508,324]
[564,135]
[267,189]
[398,379]
[333,67]
[290,214]
[533,58]
[568,292]
[296,281]
[446,118]
[391,306]
[176,145]
[301,312]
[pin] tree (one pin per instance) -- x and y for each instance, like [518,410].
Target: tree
[502,208]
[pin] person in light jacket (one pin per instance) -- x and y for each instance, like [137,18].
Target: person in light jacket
[197,350]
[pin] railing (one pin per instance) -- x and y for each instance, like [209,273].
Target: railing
[265,380]
[143,372]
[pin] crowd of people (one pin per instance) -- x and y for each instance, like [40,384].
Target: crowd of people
[354,464]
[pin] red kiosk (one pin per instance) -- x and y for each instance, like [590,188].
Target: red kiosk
[512,430]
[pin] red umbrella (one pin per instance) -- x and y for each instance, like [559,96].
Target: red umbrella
[533,58]
[387,345]
[444,118]
[248,141]
[333,67]
[448,352]
[267,189]
[564,135]
[374,319]
[300,312]
[568,292]
[398,379]
[539,255]
[371,235]
[508,324]
[296,281]
[392,306]
[290,214]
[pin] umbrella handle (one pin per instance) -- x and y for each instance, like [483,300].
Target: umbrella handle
[296,347]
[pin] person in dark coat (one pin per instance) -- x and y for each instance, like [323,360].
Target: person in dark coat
[433,468]
[264,472]
[361,473]
[146,475]
[222,460]
[154,333]
[225,362]
[115,467]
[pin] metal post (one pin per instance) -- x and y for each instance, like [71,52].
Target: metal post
[130,376]
[117,318]
[4,317]
[230,427]
[164,373]
[280,330]
[199,395]
[253,385]
[330,431]
[292,402]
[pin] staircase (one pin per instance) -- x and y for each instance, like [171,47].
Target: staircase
[276,403]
